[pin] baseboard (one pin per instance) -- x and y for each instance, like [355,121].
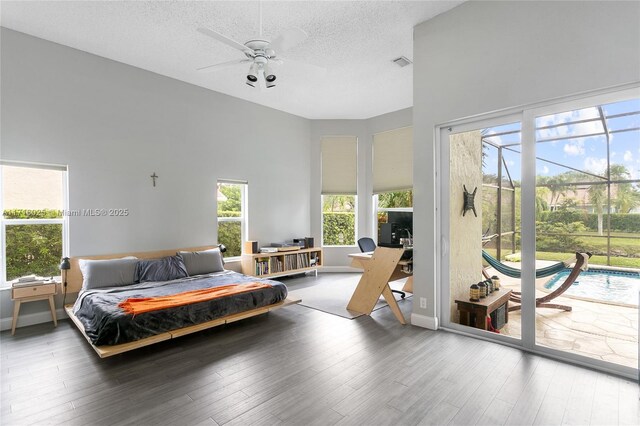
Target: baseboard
[32,319]
[424,321]
[332,269]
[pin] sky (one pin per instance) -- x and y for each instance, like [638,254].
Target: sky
[584,153]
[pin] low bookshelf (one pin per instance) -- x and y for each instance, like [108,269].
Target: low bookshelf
[267,265]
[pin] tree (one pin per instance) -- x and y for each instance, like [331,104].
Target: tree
[389,200]
[597,198]
[627,198]
[559,185]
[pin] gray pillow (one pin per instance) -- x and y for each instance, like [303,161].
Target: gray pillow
[165,269]
[108,272]
[202,262]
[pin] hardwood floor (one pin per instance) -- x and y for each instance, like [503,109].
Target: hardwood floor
[300,366]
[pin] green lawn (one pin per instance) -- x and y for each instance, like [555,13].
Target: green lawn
[626,262]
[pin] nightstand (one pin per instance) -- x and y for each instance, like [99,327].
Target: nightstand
[32,293]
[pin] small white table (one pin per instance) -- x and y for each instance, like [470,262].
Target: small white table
[31,293]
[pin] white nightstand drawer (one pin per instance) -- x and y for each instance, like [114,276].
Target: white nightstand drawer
[32,291]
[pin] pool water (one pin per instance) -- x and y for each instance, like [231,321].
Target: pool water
[601,284]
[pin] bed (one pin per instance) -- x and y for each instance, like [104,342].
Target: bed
[104,312]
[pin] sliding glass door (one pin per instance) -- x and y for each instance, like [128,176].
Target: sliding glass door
[534,199]
[481,191]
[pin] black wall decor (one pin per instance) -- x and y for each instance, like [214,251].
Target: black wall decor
[469,201]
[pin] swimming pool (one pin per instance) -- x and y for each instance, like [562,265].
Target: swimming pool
[601,284]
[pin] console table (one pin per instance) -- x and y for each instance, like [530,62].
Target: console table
[483,308]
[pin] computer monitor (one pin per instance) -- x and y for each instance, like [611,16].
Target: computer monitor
[399,225]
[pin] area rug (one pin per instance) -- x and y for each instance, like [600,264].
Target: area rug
[333,296]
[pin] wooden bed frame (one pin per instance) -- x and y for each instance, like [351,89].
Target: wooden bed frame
[74,284]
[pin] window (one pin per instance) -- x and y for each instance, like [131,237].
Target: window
[338,220]
[232,213]
[339,188]
[392,185]
[395,207]
[34,226]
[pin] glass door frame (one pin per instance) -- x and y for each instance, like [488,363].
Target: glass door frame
[528,220]
[442,151]
[526,115]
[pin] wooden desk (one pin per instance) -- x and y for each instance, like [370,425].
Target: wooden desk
[380,267]
[483,308]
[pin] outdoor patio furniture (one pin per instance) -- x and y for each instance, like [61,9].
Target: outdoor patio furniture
[512,272]
[542,302]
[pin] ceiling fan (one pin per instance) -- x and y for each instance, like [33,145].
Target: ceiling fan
[259,53]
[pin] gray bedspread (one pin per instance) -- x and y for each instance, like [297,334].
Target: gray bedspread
[107,324]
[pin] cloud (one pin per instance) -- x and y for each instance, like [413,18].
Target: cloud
[595,165]
[574,147]
[545,170]
[573,129]
[628,156]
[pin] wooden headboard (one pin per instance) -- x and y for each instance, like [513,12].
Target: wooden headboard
[74,276]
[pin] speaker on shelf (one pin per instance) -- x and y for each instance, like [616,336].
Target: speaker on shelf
[308,242]
[251,247]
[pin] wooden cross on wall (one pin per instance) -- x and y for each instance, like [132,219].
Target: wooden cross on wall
[154,176]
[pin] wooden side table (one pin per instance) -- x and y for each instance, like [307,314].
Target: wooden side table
[483,308]
[32,293]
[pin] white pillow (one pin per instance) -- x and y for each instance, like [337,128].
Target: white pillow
[98,273]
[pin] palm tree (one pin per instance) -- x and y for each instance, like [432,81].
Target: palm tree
[627,198]
[597,197]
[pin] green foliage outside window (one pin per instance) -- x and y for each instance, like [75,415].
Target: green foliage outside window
[338,220]
[397,199]
[33,249]
[338,228]
[230,233]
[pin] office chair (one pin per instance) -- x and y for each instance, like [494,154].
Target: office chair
[367,244]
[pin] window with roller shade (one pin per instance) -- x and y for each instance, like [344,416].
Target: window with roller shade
[339,190]
[392,173]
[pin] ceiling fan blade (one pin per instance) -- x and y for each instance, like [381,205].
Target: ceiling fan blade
[224,39]
[288,39]
[216,67]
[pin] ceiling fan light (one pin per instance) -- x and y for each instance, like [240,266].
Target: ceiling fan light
[252,74]
[269,76]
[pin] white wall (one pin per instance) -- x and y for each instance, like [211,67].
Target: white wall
[335,258]
[114,125]
[485,56]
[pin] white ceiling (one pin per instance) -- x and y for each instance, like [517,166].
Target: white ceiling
[354,41]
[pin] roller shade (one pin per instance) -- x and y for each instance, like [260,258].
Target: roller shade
[393,160]
[339,165]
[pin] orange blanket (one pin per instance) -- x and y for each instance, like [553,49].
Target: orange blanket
[147,304]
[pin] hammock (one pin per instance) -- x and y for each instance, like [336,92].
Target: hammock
[515,273]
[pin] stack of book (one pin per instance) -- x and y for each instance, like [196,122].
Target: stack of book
[29,280]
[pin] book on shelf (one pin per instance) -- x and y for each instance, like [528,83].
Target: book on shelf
[268,249]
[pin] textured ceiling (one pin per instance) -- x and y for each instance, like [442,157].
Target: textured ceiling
[354,41]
